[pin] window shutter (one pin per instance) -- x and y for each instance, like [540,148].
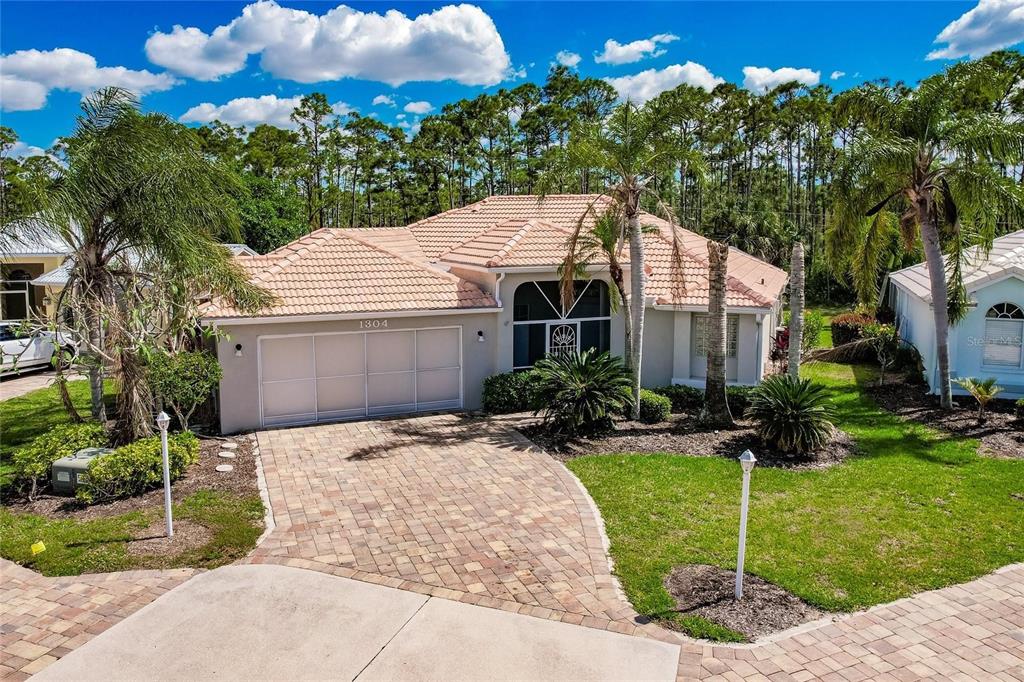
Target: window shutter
[1003,342]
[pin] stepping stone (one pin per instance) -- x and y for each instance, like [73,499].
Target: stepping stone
[224,468]
[226,455]
[229,446]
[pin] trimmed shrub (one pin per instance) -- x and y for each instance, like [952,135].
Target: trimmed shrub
[849,327]
[137,467]
[654,407]
[814,322]
[579,392]
[32,462]
[691,398]
[1019,409]
[794,415]
[183,380]
[510,392]
[683,398]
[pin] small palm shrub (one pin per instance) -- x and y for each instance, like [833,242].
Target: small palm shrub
[1019,409]
[654,407]
[510,392]
[579,392]
[32,461]
[793,415]
[983,391]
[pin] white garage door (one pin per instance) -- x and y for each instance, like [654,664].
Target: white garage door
[327,377]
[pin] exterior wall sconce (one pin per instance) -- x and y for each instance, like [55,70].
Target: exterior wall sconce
[238,350]
[480,337]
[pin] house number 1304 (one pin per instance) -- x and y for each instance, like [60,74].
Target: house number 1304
[373,324]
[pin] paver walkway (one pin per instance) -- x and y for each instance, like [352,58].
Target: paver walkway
[42,619]
[452,506]
[12,387]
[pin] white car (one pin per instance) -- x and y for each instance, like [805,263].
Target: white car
[20,350]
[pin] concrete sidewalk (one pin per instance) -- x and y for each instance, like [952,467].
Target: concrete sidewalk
[275,622]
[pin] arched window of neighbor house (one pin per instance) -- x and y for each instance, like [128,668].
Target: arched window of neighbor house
[542,326]
[1004,336]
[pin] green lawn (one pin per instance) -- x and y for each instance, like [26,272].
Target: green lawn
[917,510]
[827,312]
[25,417]
[101,545]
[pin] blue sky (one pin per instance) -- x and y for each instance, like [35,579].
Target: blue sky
[283,50]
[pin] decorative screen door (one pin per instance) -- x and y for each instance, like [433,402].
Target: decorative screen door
[563,337]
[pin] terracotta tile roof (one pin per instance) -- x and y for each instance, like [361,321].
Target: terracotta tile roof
[394,268]
[333,271]
[474,235]
[513,243]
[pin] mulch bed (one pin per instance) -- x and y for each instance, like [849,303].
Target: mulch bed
[200,476]
[683,434]
[153,539]
[1002,435]
[708,591]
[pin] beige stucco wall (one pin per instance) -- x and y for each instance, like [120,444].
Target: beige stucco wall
[239,388]
[45,297]
[748,369]
[657,363]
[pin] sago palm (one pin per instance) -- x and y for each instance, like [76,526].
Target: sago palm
[924,168]
[983,391]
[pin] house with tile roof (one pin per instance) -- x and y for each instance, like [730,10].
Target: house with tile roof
[989,341]
[375,321]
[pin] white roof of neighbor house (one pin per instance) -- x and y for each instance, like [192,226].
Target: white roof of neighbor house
[32,245]
[1006,258]
[57,277]
[241,250]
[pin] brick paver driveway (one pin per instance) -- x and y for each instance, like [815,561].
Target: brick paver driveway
[450,505]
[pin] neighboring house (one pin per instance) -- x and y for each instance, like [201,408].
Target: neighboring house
[27,270]
[33,271]
[989,342]
[399,320]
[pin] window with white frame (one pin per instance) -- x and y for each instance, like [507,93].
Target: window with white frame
[542,326]
[700,331]
[1004,336]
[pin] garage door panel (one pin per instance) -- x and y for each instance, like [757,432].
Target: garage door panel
[341,394]
[391,390]
[339,355]
[289,357]
[289,398]
[436,348]
[438,385]
[390,351]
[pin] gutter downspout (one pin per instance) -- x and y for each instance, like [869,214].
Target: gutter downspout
[760,348]
[497,289]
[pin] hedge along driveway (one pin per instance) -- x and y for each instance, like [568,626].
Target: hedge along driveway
[917,510]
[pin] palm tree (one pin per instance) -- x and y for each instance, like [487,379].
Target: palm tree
[925,168]
[141,210]
[627,150]
[984,391]
[796,310]
[716,403]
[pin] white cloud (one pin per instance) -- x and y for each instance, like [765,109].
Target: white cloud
[761,79]
[991,26]
[420,107]
[457,42]
[836,75]
[648,84]
[250,111]
[400,117]
[30,75]
[617,53]
[384,99]
[19,150]
[566,58]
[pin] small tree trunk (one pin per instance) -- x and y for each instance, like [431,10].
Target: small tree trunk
[796,310]
[716,403]
[134,401]
[940,296]
[98,408]
[620,286]
[61,382]
[637,286]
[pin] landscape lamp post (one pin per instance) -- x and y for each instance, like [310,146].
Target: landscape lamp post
[747,461]
[162,420]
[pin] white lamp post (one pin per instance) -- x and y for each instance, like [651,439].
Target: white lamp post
[747,461]
[162,420]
